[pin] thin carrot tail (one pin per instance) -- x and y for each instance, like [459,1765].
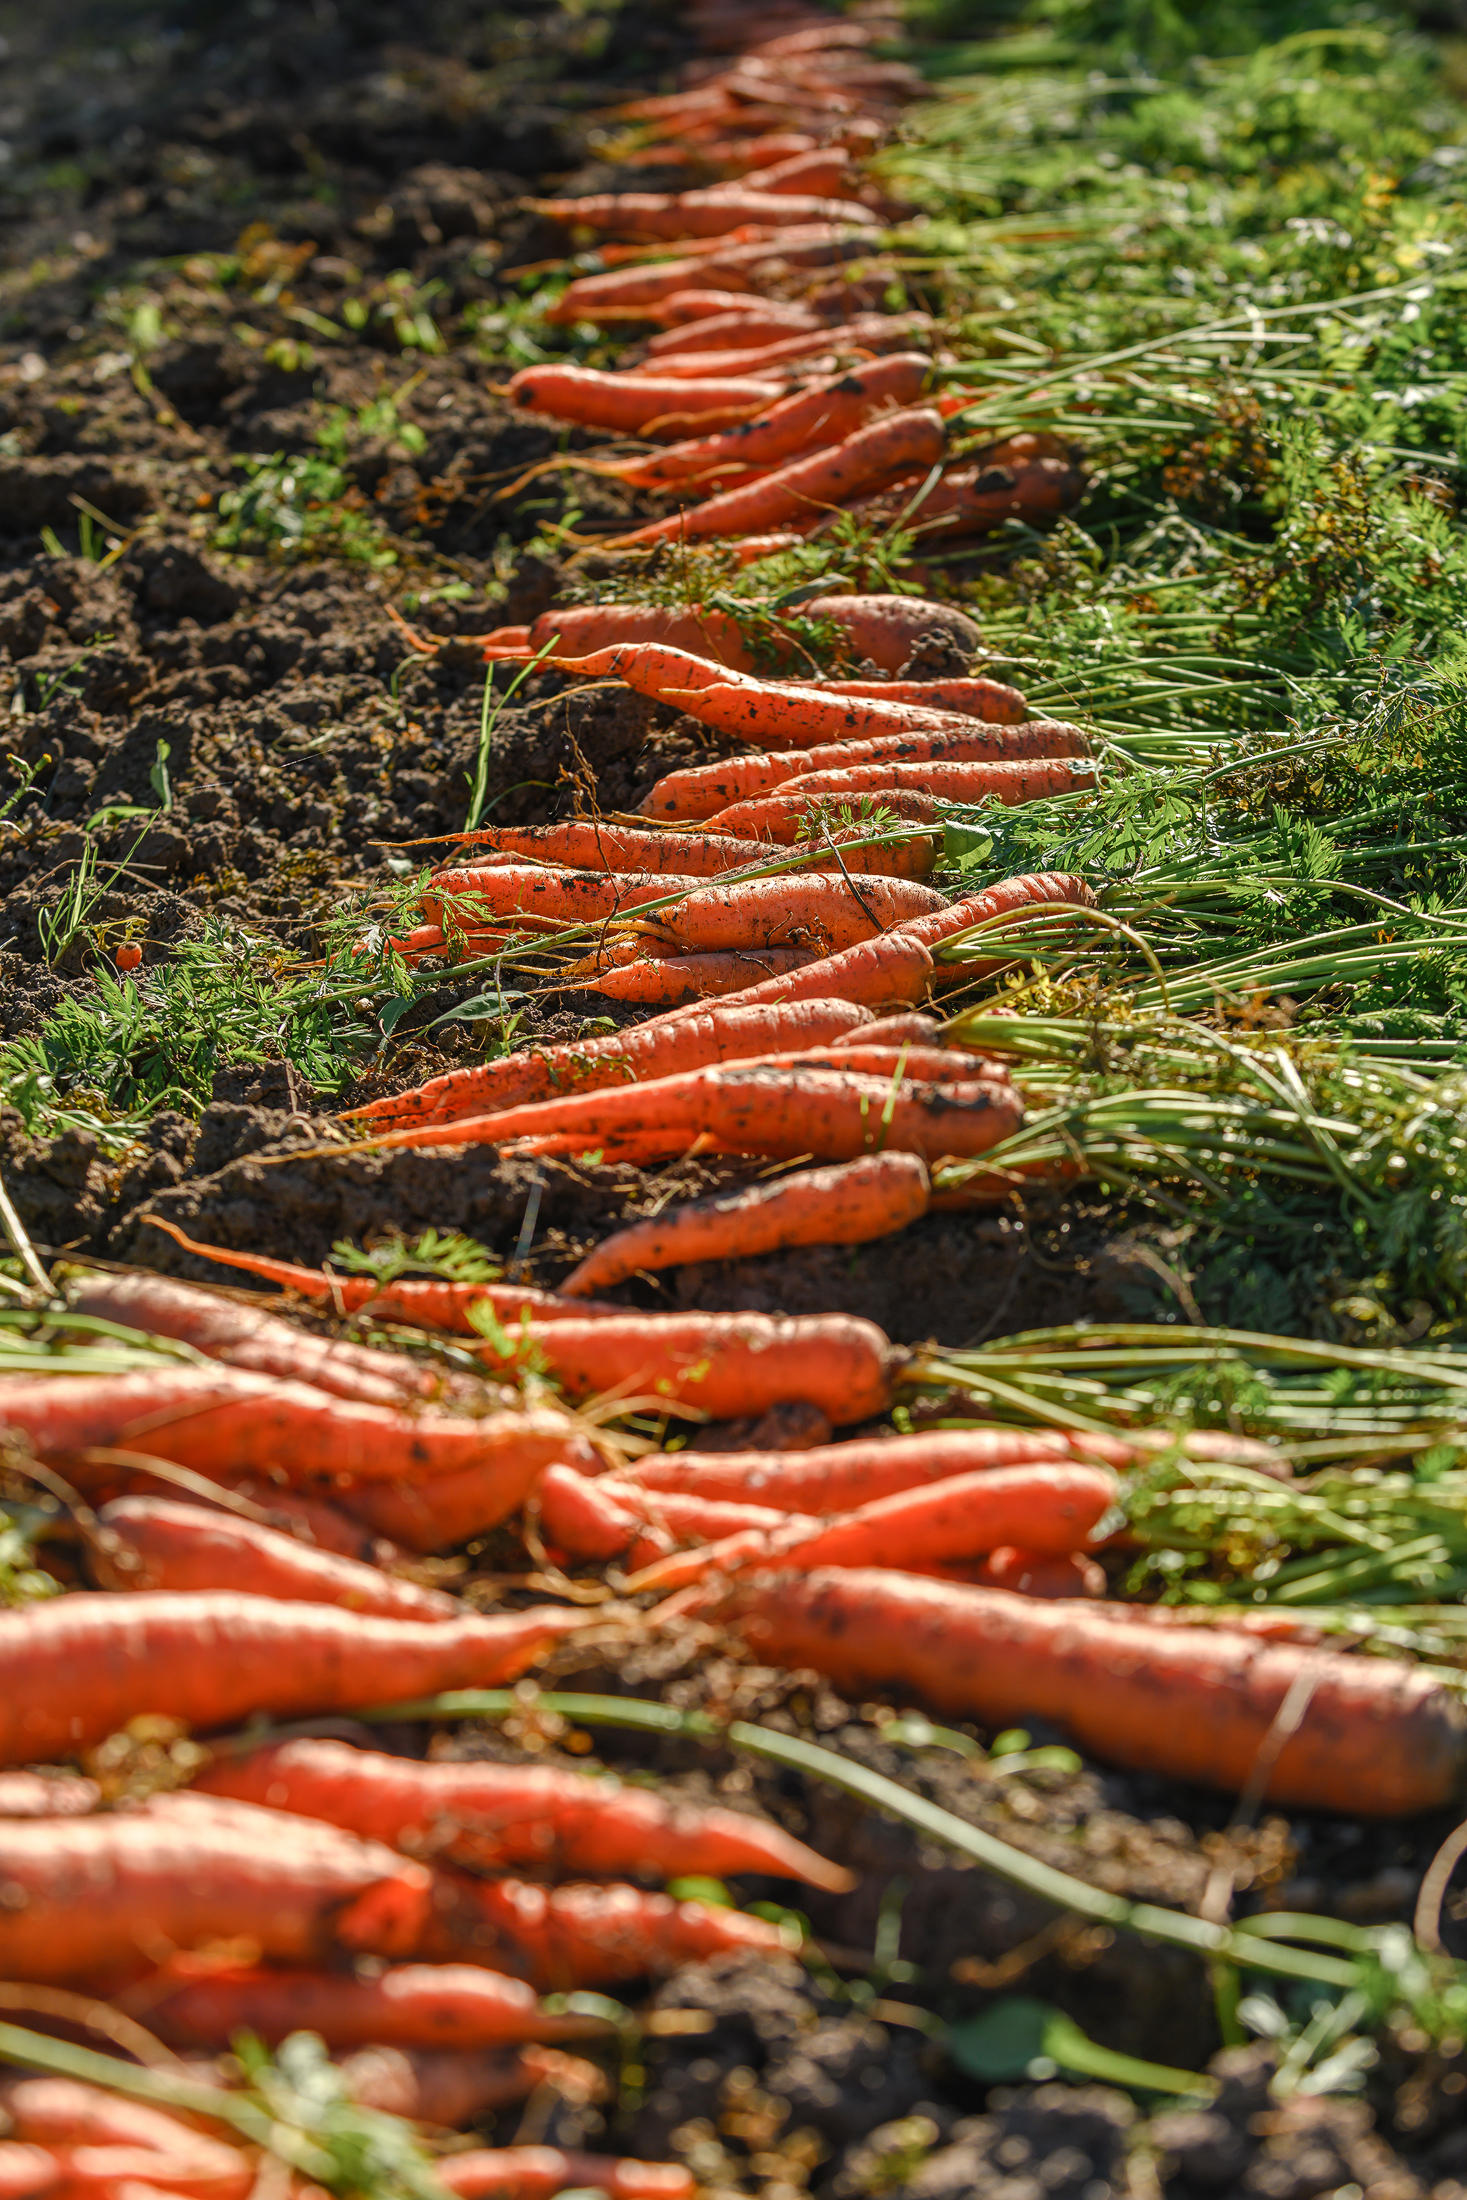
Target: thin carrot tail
[416,640]
[283,1272]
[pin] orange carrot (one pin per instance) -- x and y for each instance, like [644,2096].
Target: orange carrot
[791,816]
[788,715]
[580,630]
[165,1545]
[888,628]
[711,213]
[27,2171]
[587,1520]
[692,979]
[1033,780]
[76,2118]
[453,2087]
[262,1344]
[409,2005]
[46,1795]
[1030,890]
[699,303]
[846,1205]
[723,1034]
[427,1303]
[824,170]
[887,972]
[988,700]
[1370,1735]
[865,332]
[96,1895]
[839,1478]
[537,2173]
[973,500]
[498,1817]
[589,844]
[562,1938]
[223,1422]
[1041,1573]
[819,909]
[631,405]
[627,293]
[78,1668]
[749,323]
[308,1520]
[902,439]
[566,897]
[1051,1508]
[703,790]
[913,1028]
[722,1365]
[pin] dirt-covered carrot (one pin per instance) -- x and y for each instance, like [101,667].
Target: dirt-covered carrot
[261,1343]
[839,1478]
[846,1205]
[973,500]
[453,2086]
[711,213]
[538,2173]
[588,844]
[1034,780]
[816,352]
[823,413]
[578,630]
[1365,1735]
[82,2121]
[723,1034]
[908,440]
[76,1669]
[1030,891]
[408,2005]
[425,1302]
[790,816]
[747,323]
[498,1817]
[511,891]
[632,405]
[161,1544]
[97,1896]
[559,1939]
[637,293]
[796,909]
[888,972]
[787,714]
[887,629]
[704,790]
[989,700]
[1050,1508]
[693,978]
[224,1422]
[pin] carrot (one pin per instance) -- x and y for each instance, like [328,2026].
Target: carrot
[699,303]
[1052,1508]
[743,327]
[880,973]
[498,1817]
[1041,1573]
[846,1205]
[562,1938]
[582,629]
[621,1057]
[77,1669]
[589,844]
[308,1520]
[912,1028]
[703,790]
[27,2170]
[988,700]
[427,1303]
[567,897]
[824,170]
[410,2005]
[628,405]
[627,293]
[262,1344]
[888,628]
[723,1365]
[165,1545]
[710,213]
[223,1422]
[537,2173]
[791,816]
[788,715]
[910,439]
[839,1478]
[94,1895]
[820,908]
[973,500]
[46,1795]
[452,2087]
[824,412]
[691,979]
[83,2122]
[588,1520]
[1371,1735]
[1033,780]
[818,351]
[1032,890]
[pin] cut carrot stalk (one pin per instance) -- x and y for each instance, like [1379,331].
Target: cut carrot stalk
[1364,1735]
[78,1668]
[499,1817]
[410,2005]
[162,1544]
[93,1895]
[846,1205]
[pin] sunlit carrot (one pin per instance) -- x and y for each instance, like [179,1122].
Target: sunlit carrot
[839,1478]
[973,500]
[887,629]
[1032,890]
[689,979]
[711,213]
[846,1205]
[590,844]
[900,439]
[819,909]
[472,894]
[453,2087]
[409,2005]
[632,405]
[988,700]
[865,332]
[892,971]
[559,1939]
[1032,780]
[743,328]
[537,2173]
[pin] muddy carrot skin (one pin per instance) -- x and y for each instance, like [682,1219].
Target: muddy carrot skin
[791,815]
[633,405]
[589,845]
[223,1423]
[497,1817]
[1377,1736]
[78,1668]
[581,629]
[538,2173]
[824,911]
[689,979]
[617,1058]
[711,213]
[412,2005]
[704,790]
[472,893]
[847,1205]
[838,1478]
[559,1939]
[166,1545]
[987,700]
[102,1894]
[888,628]
[908,440]
[1052,1508]
[1030,891]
